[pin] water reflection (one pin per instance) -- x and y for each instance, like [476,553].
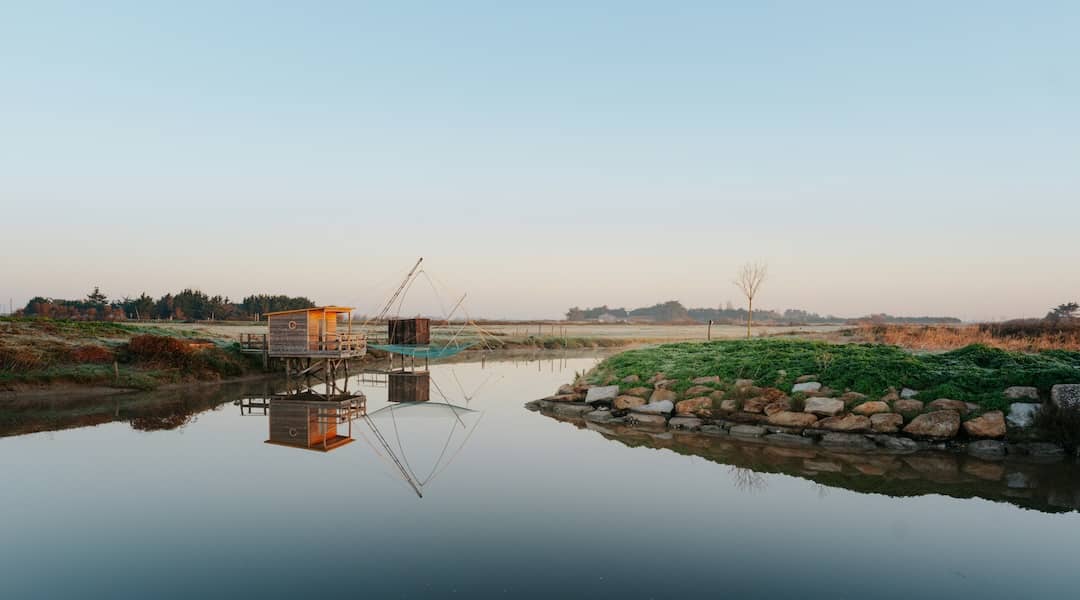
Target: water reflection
[415,437]
[159,410]
[1023,481]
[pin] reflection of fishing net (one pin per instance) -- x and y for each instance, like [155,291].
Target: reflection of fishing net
[430,352]
[424,436]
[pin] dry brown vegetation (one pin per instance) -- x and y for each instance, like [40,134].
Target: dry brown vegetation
[1028,335]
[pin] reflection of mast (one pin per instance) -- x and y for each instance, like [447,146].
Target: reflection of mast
[386,446]
[422,409]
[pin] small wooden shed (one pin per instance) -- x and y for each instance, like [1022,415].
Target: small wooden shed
[313,332]
[409,332]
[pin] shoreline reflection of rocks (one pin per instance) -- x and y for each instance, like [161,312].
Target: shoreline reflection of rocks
[1029,482]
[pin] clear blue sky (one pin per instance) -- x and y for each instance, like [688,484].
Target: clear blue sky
[917,157]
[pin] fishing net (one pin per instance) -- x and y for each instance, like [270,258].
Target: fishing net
[430,352]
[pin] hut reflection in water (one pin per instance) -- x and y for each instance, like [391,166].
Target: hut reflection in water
[416,437]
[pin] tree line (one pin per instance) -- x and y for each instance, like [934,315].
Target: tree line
[188,304]
[673,311]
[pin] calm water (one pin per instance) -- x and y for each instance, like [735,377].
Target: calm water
[516,505]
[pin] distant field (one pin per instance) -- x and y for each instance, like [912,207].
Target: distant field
[627,333]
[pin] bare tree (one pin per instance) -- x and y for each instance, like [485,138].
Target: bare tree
[749,280]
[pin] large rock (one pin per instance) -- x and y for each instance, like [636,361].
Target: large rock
[687,423]
[565,389]
[886,422]
[564,398]
[777,406]
[871,408]
[572,410]
[788,439]
[708,379]
[940,424]
[1022,414]
[825,407]
[847,440]
[774,394]
[665,384]
[663,407]
[792,419]
[756,404]
[986,425]
[746,431]
[729,405]
[986,448]
[694,406]
[908,408]
[908,393]
[606,393]
[657,377]
[1022,392]
[640,419]
[805,378]
[641,392]
[850,398]
[663,396]
[948,404]
[631,379]
[896,443]
[891,396]
[698,390]
[1066,395]
[742,384]
[627,402]
[600,416]
[846,422]
[806,387]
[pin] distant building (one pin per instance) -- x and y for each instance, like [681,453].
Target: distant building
[607,318]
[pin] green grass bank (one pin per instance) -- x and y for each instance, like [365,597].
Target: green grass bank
[976,373]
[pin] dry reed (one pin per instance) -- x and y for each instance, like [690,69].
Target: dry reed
[950,337]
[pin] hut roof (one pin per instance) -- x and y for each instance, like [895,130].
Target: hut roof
[328,309]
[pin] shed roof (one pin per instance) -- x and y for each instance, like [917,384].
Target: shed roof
[328,309]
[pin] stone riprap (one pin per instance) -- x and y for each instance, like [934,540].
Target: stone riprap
[895,423]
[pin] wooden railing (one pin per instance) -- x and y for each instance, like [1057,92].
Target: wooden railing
[341,342]
[328,342]
[253,341]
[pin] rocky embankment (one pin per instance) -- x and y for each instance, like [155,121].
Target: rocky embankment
[810,414]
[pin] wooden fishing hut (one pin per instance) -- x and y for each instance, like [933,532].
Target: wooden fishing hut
[316,345]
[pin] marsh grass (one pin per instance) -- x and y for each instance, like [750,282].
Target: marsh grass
[47,351]
[1025,335]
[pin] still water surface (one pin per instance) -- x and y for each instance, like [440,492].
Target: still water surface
[516,505]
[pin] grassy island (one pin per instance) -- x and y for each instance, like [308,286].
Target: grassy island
[975,374]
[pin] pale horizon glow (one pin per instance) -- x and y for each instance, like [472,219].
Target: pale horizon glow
[915,159]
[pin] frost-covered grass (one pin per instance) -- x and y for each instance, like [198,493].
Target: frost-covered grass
[974,373]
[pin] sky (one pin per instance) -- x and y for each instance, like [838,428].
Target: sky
[911,158]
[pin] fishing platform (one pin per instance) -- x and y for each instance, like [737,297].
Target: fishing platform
[315,345]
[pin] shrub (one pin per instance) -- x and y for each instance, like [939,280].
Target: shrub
[91,354]
[158,349]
